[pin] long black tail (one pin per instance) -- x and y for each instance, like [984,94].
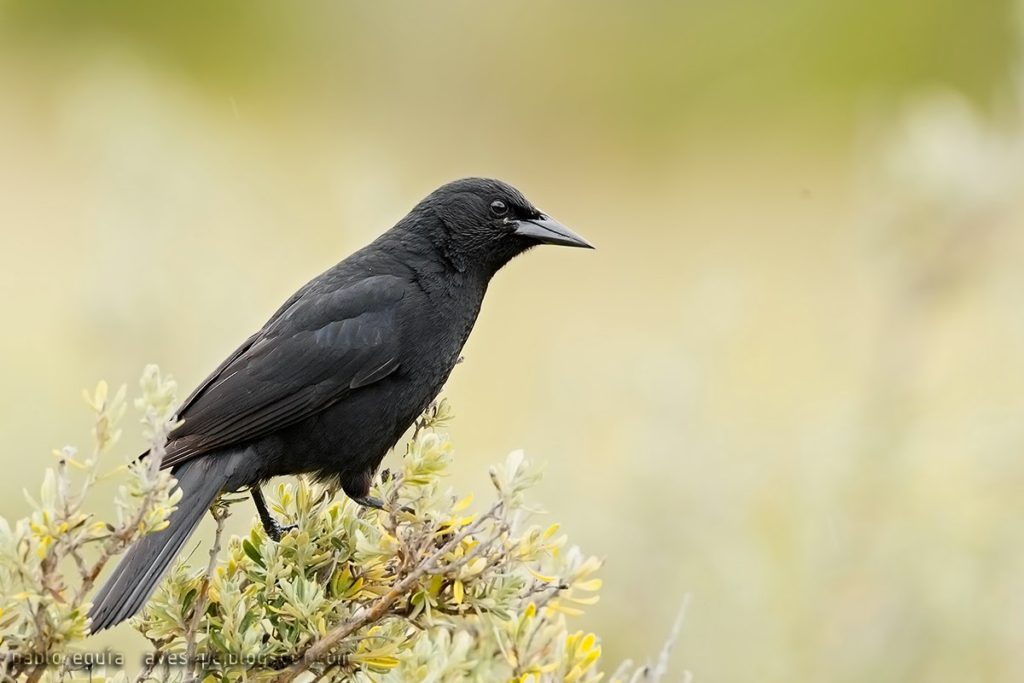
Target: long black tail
[141,569]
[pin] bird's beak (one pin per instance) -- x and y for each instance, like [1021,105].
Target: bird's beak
[546,230]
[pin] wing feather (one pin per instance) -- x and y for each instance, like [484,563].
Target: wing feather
[314,351]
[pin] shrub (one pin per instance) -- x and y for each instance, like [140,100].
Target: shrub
[429,589]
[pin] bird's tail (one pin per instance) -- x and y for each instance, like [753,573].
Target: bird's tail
[138,573]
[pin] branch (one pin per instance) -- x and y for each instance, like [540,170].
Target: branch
[661,668]
[220,514]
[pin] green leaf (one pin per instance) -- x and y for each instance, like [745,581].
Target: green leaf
[253,553]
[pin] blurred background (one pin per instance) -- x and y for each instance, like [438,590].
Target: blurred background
[789,381]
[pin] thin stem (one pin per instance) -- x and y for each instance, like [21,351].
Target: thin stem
[220,514]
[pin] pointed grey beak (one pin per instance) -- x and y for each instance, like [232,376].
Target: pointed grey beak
[546,230]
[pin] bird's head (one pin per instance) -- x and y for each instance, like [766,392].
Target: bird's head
[485,223]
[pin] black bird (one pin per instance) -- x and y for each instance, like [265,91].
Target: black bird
[340,371]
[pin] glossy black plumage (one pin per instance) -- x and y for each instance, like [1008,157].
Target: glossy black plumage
[342,369]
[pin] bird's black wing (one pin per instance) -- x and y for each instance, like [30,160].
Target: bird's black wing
[326,343]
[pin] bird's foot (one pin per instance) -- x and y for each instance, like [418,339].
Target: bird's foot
[370,502]
[270,525]
[377,504]
[275,531]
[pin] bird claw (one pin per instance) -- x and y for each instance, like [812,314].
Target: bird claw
[377,504]
[275,531]
[370,502]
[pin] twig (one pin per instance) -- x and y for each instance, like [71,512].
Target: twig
[220,514]
[36,674]
[661,668]
[146,673]
[122,538]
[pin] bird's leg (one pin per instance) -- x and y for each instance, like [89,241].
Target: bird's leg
[273,528]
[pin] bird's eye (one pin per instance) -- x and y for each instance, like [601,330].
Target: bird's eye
[499,208]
